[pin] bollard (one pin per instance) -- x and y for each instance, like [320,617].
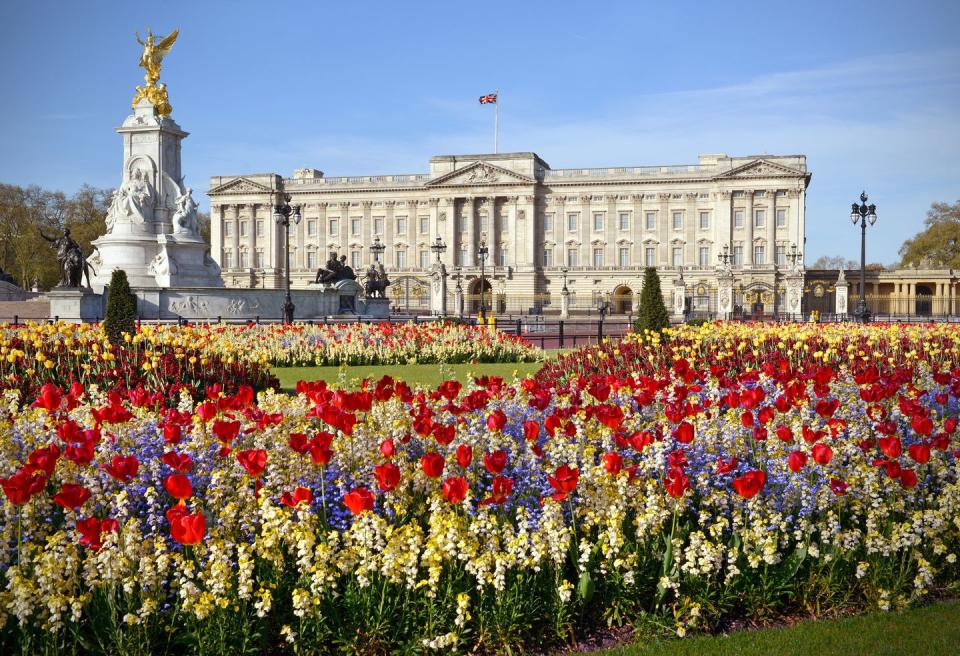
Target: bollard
[518,328]
[561,335]
[258,319]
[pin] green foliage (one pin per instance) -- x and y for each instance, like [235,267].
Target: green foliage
[938,244]
[121,316]
[652,313]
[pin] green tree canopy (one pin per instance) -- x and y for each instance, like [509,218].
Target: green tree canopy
[938,244]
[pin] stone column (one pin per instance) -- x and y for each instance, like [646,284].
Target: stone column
[748,228]
[387,237]
[794,305]
[446,227]
[679,297]
[458,298]
[586,258]
[565,303]
[724,294]
[236,237]
[434,230]
[842,295]
[610,232]
[772,227]
[636,229]
[470,221]
[438,289]
[691,230]
[664,227]
[366,233]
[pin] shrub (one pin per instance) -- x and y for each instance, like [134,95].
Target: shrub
[121,316]
[652,313]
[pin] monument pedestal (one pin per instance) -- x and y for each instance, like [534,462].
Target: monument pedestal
[376,308]
[75,305]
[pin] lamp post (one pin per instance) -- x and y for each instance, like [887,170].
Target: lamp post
[795,256]
[438,247]
[724,257]
[861,214]
[377,249]
[282,213]
[482,252]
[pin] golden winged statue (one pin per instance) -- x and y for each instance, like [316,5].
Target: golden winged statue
[150,60]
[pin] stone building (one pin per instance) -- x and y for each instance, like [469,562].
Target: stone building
[899,294]
[594,228]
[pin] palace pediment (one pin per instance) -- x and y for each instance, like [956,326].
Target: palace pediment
[762,168]
[480,173]
[240,186]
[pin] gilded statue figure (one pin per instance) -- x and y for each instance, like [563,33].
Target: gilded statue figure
[150,60]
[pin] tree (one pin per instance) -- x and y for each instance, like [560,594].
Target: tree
[938,244]
[834,262]
[652,313]
[121,315]
[203,225]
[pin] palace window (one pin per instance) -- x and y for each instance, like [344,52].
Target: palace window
[463,256]
[598,257]
[704,220]
[258,259]
[624,257]
[401,225]
[781,218]
[759,218]
[228,259]
[704,256]
[678,220]
[502,257]
[547,257]
[483,222]
[424,224]
[334,229]
[311,260]
[378,225]
[598,220]
[738,218]
[572,257]
[461,221]
[650,256]
[400,258]
[651,221]
[424,259]
[311,228]
[355,227]
[780,255]
[677,256]
[738,255]
[355,260]
[758,254]
[572,219]
[548,222]
[228,229]
[244,260]
[243,228]
[624,220]
[259,228]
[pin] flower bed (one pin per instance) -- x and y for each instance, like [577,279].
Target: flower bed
[732,472]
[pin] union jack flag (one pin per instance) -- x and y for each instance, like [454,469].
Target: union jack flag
[489,98]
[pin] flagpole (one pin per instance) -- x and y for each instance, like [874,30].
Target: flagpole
[496,124]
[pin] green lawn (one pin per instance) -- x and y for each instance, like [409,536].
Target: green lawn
[933,630]
[413,374]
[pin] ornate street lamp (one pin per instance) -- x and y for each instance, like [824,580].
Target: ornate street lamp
[563,270]
[861,214]
[377,249]
[282,214]
[795,256]
[724,256]
[482,253]
[438,247]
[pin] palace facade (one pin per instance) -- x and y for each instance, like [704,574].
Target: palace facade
[594,229]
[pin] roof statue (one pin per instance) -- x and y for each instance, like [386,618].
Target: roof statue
[150,60]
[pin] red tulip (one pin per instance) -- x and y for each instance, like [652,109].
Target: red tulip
[179,462]
[920,453]
[496,421]
[49,399]
[432,464]
[676,482]
[950,425]
[449,389]
[319,446]
[908,478]
[387,448]
[206,411]
[358,500]
[502,487]
[564,481]
[172,433]
[464,455]
[531,430]
[298,442]
[839,487]
[188,529]
[300,495]
[71,495]
[123,468]
[749,484]
[784,433]
[92,529]
[388,476]
[891,446]
[797,460]
[495,462]
[684,433]
[746,419]
[922,425]
[225,431]
[43,460]
[178,486]
[21,486]
[726,466]
[612,462]
[253,460]
[822,454]
[455,489]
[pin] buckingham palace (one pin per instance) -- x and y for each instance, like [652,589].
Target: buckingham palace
[532,229]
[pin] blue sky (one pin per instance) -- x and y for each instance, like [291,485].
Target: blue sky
[869,91]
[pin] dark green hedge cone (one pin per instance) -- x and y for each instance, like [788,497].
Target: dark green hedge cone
[652,313]
[121,315]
